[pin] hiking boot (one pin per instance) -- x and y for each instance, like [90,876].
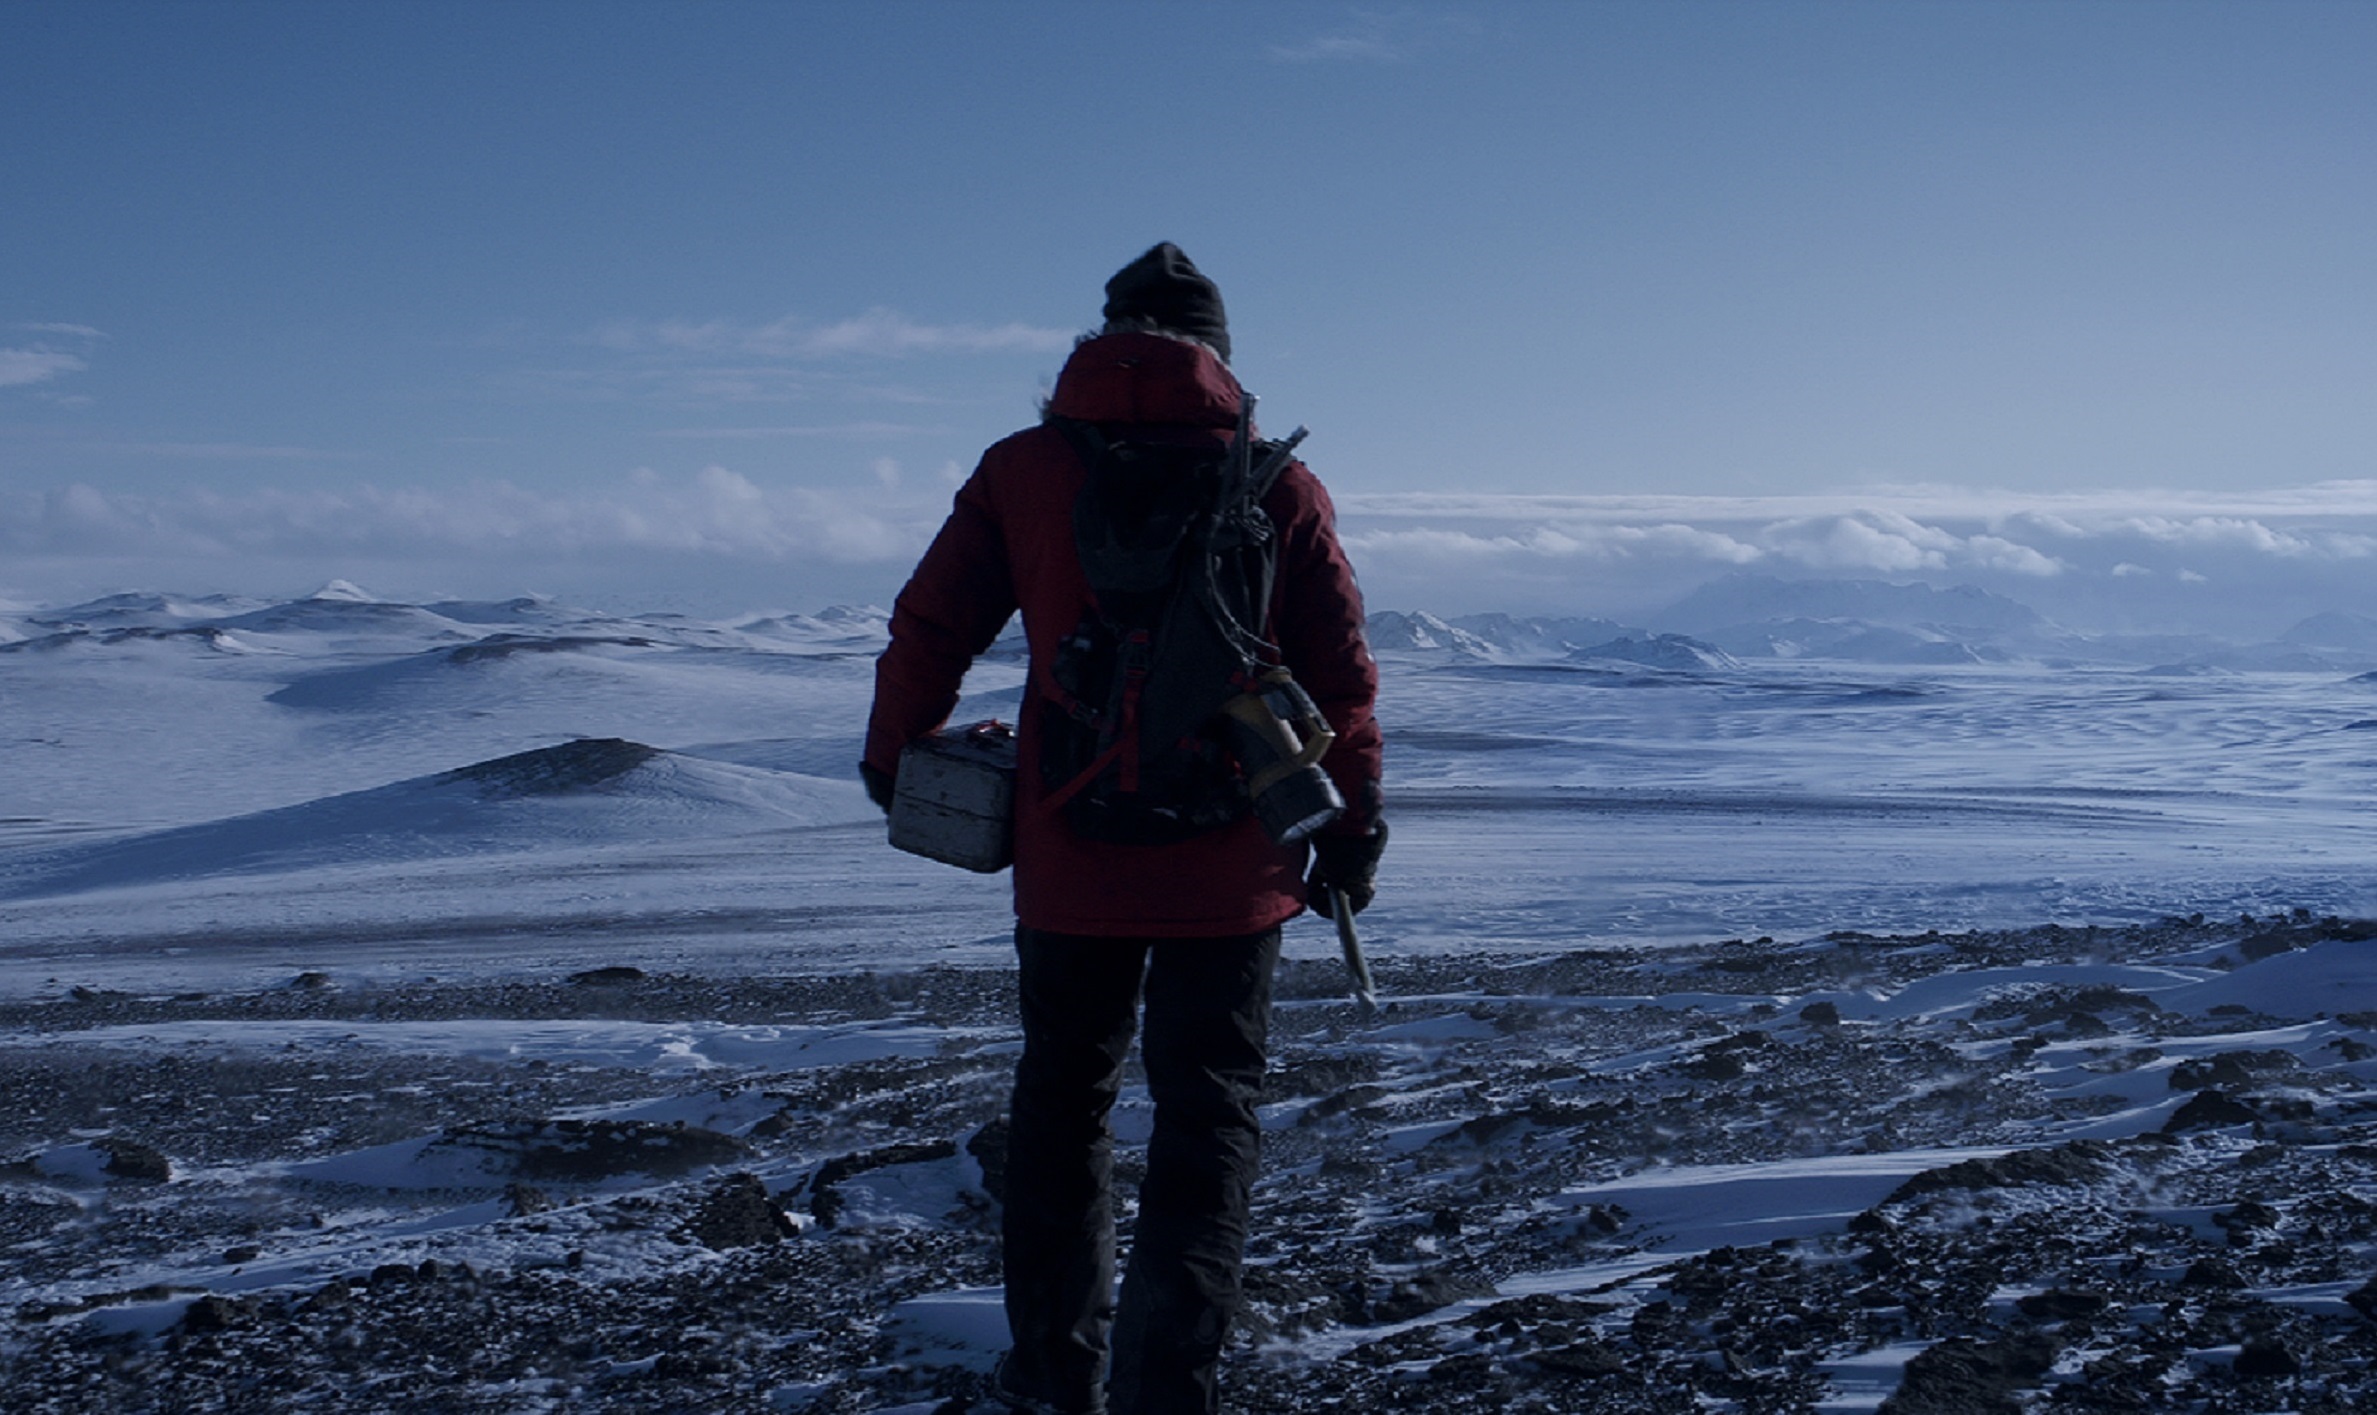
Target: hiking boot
[1017,1403]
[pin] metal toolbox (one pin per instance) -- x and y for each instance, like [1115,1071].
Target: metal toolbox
[955,801]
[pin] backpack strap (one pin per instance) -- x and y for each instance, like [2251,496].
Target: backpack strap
[1088,442]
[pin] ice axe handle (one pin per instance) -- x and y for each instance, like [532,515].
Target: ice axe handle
[1357,971]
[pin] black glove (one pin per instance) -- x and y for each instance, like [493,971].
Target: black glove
[1347,863]
[879,785]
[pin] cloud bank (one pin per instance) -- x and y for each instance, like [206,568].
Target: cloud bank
[717,513]
[2242,564]
[2104,560]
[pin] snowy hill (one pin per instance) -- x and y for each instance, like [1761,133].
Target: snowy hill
[2353,633]
[588,792]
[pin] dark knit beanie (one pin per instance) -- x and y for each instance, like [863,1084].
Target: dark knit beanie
[1165,288]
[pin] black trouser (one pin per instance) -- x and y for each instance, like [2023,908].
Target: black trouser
[1208,1012]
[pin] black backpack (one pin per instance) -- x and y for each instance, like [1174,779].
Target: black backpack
[1180,559]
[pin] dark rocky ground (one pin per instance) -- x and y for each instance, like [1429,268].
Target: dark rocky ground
[1419,1172]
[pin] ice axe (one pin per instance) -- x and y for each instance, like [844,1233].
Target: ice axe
[1357,971]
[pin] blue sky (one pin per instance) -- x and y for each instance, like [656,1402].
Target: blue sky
[487,297]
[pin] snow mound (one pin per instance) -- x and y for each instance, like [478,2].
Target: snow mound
[82,638]
[594,792]
[1673,651]
[339,615]
[840,626]
[428,678]
[142,610]
[2332,977]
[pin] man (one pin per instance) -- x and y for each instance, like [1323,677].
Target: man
[1193,922]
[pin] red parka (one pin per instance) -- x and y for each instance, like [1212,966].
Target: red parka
[1008,545]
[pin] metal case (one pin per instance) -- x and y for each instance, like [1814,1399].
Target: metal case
[956,798]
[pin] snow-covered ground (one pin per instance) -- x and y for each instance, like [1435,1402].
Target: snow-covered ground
[1723,989]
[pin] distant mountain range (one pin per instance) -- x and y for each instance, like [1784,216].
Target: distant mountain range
[342,615]
[1750,617]
[1740,617]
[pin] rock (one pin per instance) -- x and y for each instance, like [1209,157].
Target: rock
[2231,1070]
[2246,1217]
[1422,1293]
[2210,1110]
[583,1151]
[1961,1376]
[737,1213]
[1713,1065]
[129,1159]
[2079,1162]
[617,975]
[1486,1130]
[1821,1014]
[2213,1273]
[2265,1357]
[2363,1299]
[988,1146]
[1465,1366]
[242,1254]
[212,1313]
[2060,1305]
[311,981]
[1580,1358]
[332,1294]
[826,1205]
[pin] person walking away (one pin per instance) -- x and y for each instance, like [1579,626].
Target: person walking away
[1141,872]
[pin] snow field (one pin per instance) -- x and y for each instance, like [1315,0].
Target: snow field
[525,1014]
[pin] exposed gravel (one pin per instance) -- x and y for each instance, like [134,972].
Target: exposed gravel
[1425,1178]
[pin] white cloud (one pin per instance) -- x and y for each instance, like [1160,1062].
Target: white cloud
[878,333]
[1374,36]
[1869,542]
[1557,542]
[718,513]
[1371,47]
[230,451]
[19,367]
[863,430]
[1993,553]
[44,360]
[2252,534]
